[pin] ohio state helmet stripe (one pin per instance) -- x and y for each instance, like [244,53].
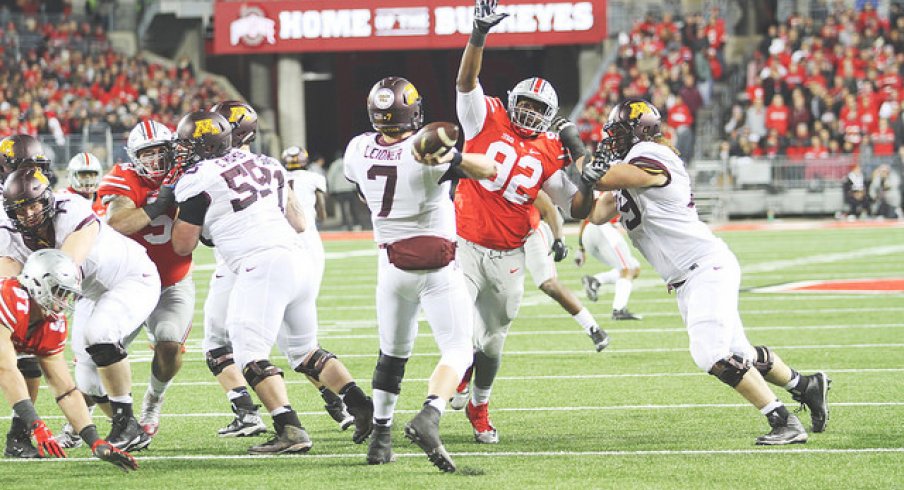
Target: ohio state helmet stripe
[148,129]
[538,84]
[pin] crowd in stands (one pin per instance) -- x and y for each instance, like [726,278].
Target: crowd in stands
[62,78]
[671,62]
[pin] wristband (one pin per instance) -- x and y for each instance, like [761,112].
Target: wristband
[478,37]
[456,160]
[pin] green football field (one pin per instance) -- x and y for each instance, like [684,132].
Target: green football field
[638,415]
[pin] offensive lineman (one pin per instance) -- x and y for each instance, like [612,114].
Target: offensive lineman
[414,226]
[651,189]
[493,215]
[229,195]
[140,205]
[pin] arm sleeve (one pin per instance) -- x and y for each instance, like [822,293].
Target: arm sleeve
[193,209]
[561,189]
[472,111]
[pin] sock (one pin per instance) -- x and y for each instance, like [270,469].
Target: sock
[157,387]
[240,398]
[436,402]
[284,416]
[797,382]
[384,405]
[585,320]
[383,422]
[353,395]
[775,405]
[328,396]
[622,293]
[485,369]
[608,277]
[479,395]
[122,405]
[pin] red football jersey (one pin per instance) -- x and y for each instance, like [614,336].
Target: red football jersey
[158,235]
[46,338]
[495,213]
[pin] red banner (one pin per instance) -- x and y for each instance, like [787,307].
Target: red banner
[362,25]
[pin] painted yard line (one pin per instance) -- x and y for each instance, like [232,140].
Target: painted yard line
[765,312]
[449,413]
[494,454]
[585,352]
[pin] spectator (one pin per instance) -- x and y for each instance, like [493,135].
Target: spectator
[343,193]
[756,119]
[883,139]
[778,115]
[885,192]
[855,197]
[681,119]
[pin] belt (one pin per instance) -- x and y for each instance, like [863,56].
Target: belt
[491,252]
[677,284]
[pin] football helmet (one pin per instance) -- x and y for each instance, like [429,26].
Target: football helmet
[395,106]
[28,199]
[150,148]
[203,135]
[84,173]
[532,105]
[243,118]
[52,279]
[21,149]
[631,121]
[295,158]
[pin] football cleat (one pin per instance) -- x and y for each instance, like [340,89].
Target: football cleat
[815,398]
[591,287]
[423,430]
[783,432]
[479,416]
[364,423]
[245,424]
[18,445]
[624,314]
[68,438]
[293,440]
[127,435]
[463,392]
[150,413]
[600,338]
[380,449]
[337,409]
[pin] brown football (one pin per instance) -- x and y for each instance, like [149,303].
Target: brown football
[434,140]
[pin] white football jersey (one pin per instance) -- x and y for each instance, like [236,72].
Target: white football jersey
[306,184]
[113,257]
[403,195]
[662,222]
[248,195]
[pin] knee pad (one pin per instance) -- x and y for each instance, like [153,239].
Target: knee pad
[730,370]
[30,367]
[257,371]
[764,359]
[314,365]
[219,359]
[389,373]
[106,354]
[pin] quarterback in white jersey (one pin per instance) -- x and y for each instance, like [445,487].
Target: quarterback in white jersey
[652,190]
[230,195]
[119,290]
[414,225]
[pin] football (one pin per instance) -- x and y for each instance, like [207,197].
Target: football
[433,141]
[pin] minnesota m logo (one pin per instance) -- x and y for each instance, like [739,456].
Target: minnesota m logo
[6,147]
[205,126]
[236,113]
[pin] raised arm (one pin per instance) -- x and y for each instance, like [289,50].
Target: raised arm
[485,17]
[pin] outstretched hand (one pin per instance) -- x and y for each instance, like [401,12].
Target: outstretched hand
[105,451]
[48,447]
[485,16]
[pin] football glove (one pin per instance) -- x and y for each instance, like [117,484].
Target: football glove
[559,123]
[559,250]
[485,16]
[105,451]
[47,445]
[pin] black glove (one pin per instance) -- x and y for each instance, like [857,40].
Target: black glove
[570,137]
[485,16]
[603,157]
[559,250]
[166,198]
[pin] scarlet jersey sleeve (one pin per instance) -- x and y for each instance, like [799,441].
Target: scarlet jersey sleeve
[47,339]
[122,181]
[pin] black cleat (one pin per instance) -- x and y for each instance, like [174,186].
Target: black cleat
[600,338]
[364,423]
[591,287]
[127,435]
[293,440]
[337,409]
[815,398]
[380,450]
[624,314]
[789,431]
[18,445]
[423,430]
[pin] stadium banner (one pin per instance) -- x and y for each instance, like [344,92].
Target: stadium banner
[243,27]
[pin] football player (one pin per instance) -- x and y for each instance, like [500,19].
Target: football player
[493,214]
[607,245]
[414,226]
[15,151]
[141,206]
[32,320]
[120,287]
[653,194]
[227,195]
[84,171]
